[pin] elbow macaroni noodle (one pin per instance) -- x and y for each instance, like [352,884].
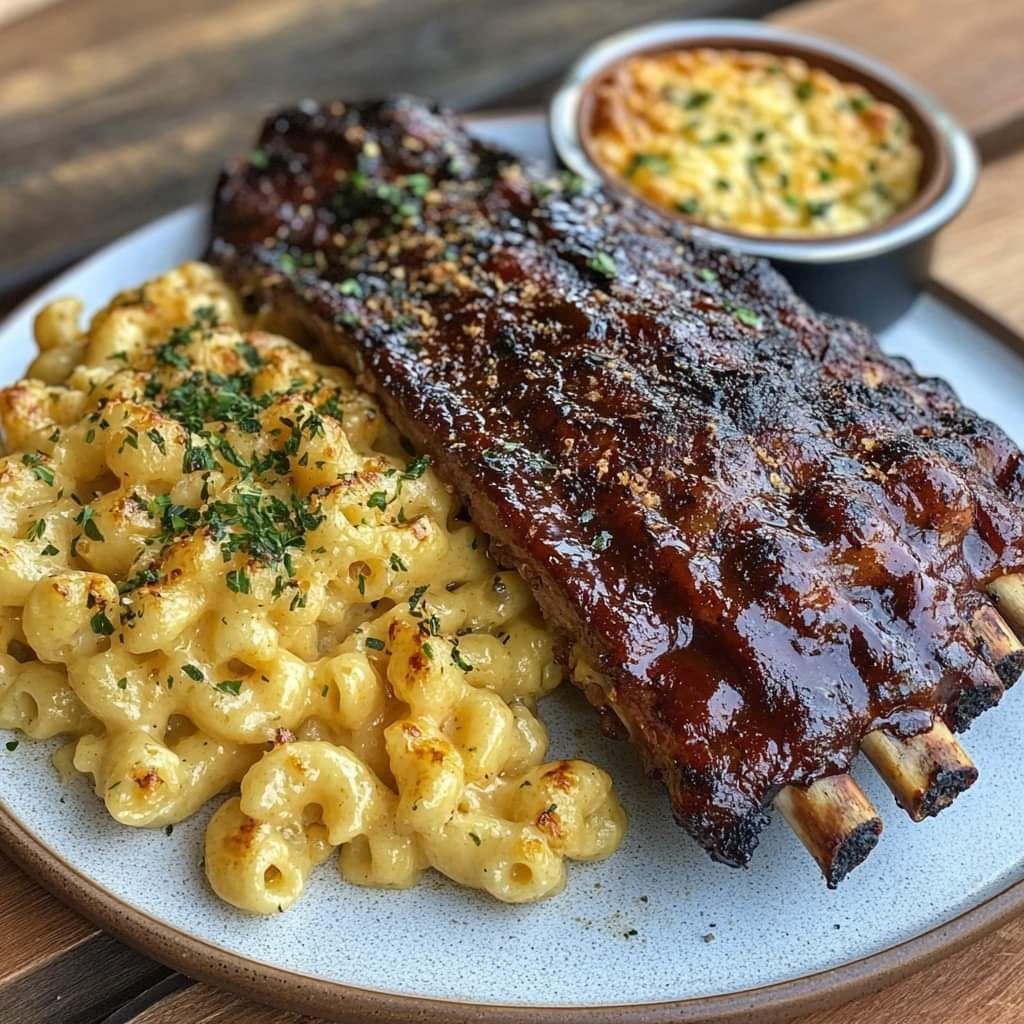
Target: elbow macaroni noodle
[219,569]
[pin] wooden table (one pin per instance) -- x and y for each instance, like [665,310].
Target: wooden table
[114,112]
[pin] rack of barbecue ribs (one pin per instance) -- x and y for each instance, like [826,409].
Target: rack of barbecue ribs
[765,544]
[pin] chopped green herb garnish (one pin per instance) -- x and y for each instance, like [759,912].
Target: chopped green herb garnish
[723,138]
[158,439]
[88,524]
[601,541]
[603,263]
[232,686]
[474,837]
[101,625]
[500,457]
[238,581]
[374,643]
[350,286]
[42,472]
[656,163]
[416,468]
[193,672]
[415,598]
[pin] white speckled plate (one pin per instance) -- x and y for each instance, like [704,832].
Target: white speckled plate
[657,932]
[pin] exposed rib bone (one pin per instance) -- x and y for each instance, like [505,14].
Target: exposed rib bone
[1000,644]
[1009,594]
[925,773]
[835,821]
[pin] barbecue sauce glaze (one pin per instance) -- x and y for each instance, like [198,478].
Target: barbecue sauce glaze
[768,536]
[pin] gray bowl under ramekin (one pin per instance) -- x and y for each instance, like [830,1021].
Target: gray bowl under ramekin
[873,275]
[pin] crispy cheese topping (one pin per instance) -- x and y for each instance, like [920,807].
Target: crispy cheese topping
[754,143]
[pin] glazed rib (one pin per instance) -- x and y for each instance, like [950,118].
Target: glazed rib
[762,538]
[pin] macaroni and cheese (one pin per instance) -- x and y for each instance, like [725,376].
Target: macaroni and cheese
[753,142]
[220,568]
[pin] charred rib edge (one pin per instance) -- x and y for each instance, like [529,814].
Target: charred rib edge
[999,642]
[926,772]
[835,820]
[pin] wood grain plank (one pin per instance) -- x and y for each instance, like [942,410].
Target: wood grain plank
[131,108]
[79,989]
[981,254]
[985,985]
[202,1004]
[34,927]
[55,966]
[967,52]
[12,10]
[982,985]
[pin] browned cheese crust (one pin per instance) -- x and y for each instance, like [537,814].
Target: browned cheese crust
[770,536]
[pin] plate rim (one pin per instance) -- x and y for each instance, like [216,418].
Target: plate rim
[303,993]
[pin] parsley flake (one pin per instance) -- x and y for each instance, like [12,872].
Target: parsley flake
[88,524]
[35,462]
[415,598]
[101,625]
[238,581]
[747,316]
[603,263]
